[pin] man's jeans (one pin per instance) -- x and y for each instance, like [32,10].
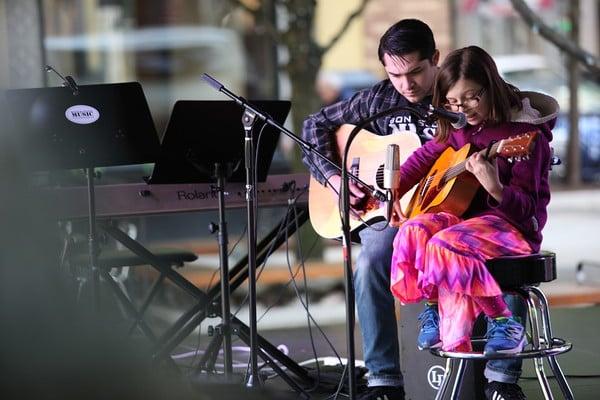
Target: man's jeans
[508,370]
[375,306]
[377,317]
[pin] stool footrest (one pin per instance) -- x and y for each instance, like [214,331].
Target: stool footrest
[558,346]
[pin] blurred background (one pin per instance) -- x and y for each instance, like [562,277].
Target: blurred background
[311,53]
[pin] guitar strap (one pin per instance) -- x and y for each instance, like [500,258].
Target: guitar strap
[489,147]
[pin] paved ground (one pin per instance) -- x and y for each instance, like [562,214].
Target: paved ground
[578,325]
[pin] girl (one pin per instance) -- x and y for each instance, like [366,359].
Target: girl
[440,257]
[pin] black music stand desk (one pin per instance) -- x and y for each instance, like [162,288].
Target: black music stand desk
[100,125]
[104,125]
[202,133]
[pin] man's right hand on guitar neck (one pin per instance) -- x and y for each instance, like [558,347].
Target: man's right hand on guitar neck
[357,196]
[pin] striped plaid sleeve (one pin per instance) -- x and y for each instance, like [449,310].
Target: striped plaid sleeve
[319,130]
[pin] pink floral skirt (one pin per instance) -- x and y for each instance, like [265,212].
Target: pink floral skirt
[441,256]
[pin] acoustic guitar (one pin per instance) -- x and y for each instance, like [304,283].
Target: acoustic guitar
[447,188]
[366,161]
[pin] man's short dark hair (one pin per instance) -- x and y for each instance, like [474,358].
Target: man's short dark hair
[407,36]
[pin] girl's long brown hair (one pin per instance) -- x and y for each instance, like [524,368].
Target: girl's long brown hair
[475,64]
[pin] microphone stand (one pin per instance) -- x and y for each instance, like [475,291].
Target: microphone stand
[248,119]
[346,241]
[69,82]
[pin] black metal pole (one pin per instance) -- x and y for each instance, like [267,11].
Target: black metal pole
[220,173]
[350,302]
[92,245]
[248,121]
[348,280]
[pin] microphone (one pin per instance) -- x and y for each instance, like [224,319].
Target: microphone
[458,120]
[391,177]
[68,80]
[391,169]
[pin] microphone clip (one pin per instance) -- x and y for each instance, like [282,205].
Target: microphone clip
[458,120]
[67,81]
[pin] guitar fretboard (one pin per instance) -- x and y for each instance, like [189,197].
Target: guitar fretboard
[459,168]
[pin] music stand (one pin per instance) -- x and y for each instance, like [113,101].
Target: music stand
[104,125]
[101,125]
[205,142]
[202,133]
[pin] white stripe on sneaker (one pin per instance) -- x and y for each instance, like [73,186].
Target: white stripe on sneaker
[497,396]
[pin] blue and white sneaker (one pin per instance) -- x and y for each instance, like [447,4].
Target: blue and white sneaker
[503,391]
[504,336]
[429,335]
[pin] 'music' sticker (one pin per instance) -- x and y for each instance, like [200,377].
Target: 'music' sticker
[82,114]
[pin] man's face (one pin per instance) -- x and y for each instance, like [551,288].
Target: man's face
[412,77]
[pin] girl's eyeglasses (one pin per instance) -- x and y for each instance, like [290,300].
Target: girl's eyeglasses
[467,104]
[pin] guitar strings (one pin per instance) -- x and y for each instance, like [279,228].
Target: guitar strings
[456,169]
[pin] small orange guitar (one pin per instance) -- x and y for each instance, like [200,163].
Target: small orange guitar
[446,188]
[366,158]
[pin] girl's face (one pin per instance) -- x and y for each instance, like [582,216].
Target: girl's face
[470,98]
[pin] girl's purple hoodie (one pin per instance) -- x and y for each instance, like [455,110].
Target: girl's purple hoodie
[526,188]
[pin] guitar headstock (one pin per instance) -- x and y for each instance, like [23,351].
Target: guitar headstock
[516,148]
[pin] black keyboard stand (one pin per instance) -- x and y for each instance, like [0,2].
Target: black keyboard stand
[208,305]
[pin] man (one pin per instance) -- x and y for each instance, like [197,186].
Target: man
[409,56]
[408,53]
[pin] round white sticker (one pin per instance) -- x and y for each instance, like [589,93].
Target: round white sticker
[435,376]
[82,114]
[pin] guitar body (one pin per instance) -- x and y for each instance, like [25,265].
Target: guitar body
[369,151]
[434,194]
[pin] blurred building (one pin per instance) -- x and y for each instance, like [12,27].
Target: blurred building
[166,45]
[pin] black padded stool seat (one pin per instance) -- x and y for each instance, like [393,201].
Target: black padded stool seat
[517,271]
[519,274]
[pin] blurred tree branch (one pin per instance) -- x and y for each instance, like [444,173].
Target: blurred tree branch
[345,26]
[296,35]
[589,61]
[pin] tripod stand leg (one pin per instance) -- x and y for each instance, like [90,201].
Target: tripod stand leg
[189,321]
[208,360]
[243,333]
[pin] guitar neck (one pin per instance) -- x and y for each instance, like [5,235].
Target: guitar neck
[459,168]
